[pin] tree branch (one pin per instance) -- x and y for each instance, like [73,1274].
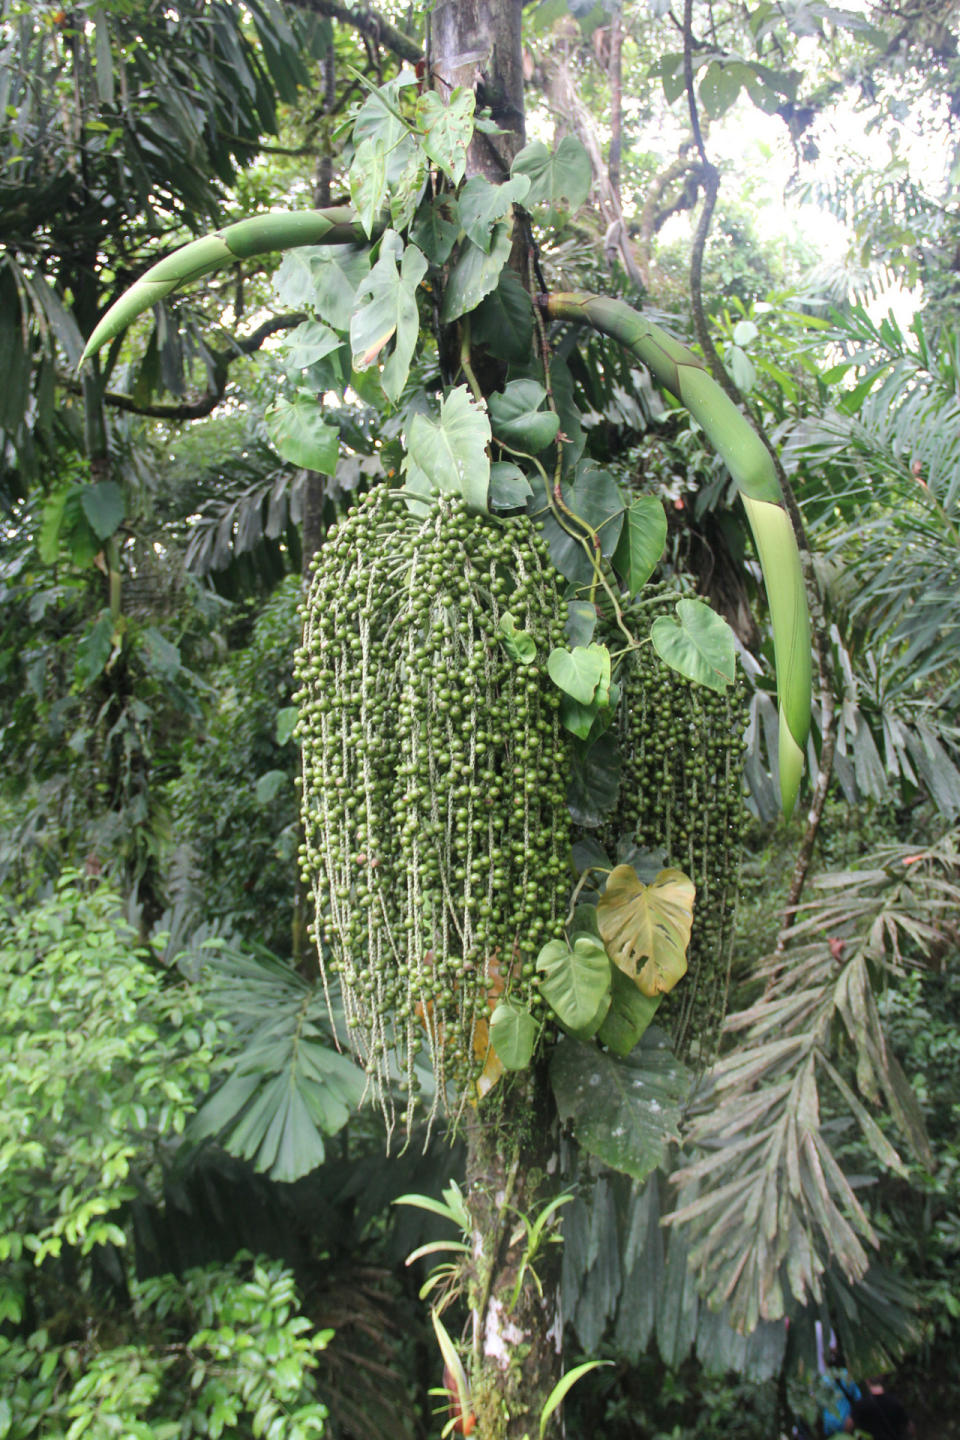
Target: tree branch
[369,24]
[205,404]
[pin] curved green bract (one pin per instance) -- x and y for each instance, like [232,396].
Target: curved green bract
[678,370]
[247,238]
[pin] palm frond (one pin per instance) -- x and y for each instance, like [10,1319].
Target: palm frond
[770,1207]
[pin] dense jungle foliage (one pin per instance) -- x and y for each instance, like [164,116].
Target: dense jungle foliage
[201,1232]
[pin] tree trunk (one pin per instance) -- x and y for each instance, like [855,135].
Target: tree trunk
[512,1139]
[512,1162]
[476,44]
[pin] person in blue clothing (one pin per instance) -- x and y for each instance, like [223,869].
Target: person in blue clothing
[837,1392]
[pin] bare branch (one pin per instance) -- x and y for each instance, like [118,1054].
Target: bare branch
[207,403]
[370,25]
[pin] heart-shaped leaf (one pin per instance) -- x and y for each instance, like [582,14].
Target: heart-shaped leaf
[324,279]
[516,416]
[509,487]
[594,780]
[595,497]
[513,1034]
[648,922]
[576,983]
[629,1015]
[699,644]
[581,622]
[503,321]
[560,177]
[581,672]
[308,343]
[483,204]
[641,542]
[436,228]
[102,504]
[447,129]
[449,456]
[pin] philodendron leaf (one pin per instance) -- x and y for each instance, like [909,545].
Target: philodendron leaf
[94,649]
[324,279]
[447,129]
[517,419]
[581,622]
[386,306]
[629,1015]
[595,498]
[581,672]
[449,456]
[513,1034]
[299,434]
[102,504]
[650,923]
[560,177]
[474,274]
[309,343]
[641,542]
[436,228]
[519,644]
[483,204]
[368,181]
[503,321]
[576,983]
[698,644]
[588,722]
[594,780]
[509,487]
[625,1111]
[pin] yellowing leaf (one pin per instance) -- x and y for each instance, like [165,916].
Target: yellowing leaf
[650,922]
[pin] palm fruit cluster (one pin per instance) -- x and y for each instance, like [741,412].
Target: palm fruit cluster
[434,770]
[681,792]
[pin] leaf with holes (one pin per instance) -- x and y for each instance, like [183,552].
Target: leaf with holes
[698,644]
[576,983]
[648,922]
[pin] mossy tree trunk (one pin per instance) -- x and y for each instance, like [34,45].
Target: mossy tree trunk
[512,1139]
[514,1298]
